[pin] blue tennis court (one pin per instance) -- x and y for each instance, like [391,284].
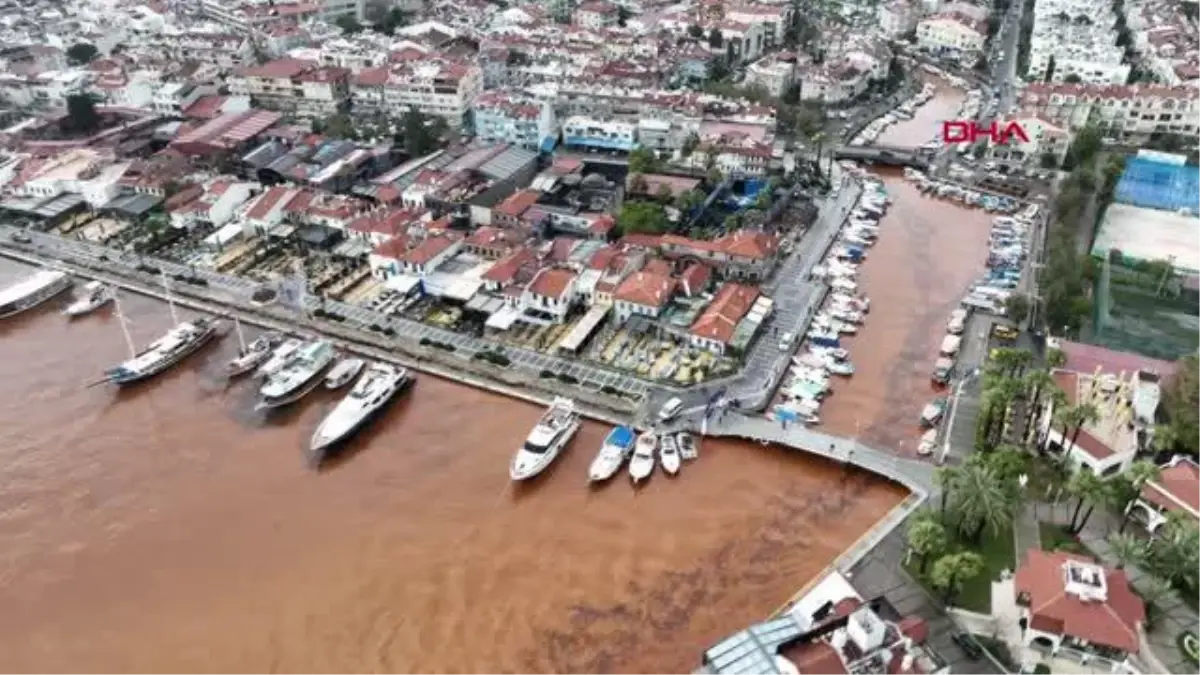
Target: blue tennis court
[1157,185]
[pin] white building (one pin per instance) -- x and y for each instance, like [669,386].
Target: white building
[952,33]
[432,86]
[1044,139]
[772,73]
[1107,445]
[1177,490]
[1127,113]
[550,293]
[897,18]
[1076,39]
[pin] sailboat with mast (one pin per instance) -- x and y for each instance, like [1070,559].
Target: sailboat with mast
[181,340]
[251,356]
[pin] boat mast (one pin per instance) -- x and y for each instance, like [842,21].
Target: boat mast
[170,301]
[237,326]
[124,326]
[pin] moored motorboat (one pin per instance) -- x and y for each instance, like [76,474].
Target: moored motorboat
[668,454]
[298,377]
[178,343]
[95,295]
[279,357]
[613,452]
[546,441]
[32,291]
[255,353]
[933,411]
[342,373]
[380,384]
[687,445]
[641,464]
[928,442]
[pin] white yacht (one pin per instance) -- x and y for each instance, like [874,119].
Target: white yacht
[279,357]
[301,375]
[180,341]
[379,384]
[32,291]
[95,295]
[641,465]
[547,440]
[668,454]
[613,453]
[345,371]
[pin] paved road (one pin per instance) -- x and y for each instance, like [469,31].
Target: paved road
[796,297]
[236,289]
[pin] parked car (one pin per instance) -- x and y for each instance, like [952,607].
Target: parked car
[1005,333]
[786,342]
[969,646]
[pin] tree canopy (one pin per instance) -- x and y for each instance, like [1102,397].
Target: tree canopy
[642,218]
[421,134]
[348,24]
[81,53]
[81,113]
[643,160]
[1181,402]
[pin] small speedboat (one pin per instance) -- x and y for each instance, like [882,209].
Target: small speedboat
[255,354]
[345,371]
[844,368]
[932,413]
[641,465]
[668,453]
[613,453]
[928,443]
[687,445]
[95,295]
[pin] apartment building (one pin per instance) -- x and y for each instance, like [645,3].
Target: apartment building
[897,18]
[1045,139]
[952,34]
[601,134]
[503,117]
[247,14]
[296,85]
[776,73]
[1165,40]
[433,86]
[596,14]
[1076,40]
[1126,113]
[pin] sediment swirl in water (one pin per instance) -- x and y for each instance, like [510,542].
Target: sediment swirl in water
[166,529]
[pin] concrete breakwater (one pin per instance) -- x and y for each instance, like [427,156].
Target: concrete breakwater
[439,363]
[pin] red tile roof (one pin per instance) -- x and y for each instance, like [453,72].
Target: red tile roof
[658,266]
[601,258]
[647,290]
[1083,358]
[721,317]
[552,283]
[749,244]
[695,278]
[603,225]
[268,201]
[1112,622]
[517,203]
[428,250]
[205,107]
[506,269]
[817,656]
[1175,484]
[393,248]
[280,68]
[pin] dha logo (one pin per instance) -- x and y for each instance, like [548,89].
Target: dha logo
[969,132]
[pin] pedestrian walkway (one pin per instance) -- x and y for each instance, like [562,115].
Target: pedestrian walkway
[1175,617]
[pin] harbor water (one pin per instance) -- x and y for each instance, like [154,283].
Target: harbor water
[928,253]
[168,528]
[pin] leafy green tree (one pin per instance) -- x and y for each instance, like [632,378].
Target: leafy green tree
[1008,462]
[348,24]
[643,160]
[1049,161]
[1174,553]
[1153,589]
[1181,404]
[1036,383]
[638,184]
[419,134]
[396,18]
[1017,307]
[689,200]
[695,31]
[81,53]
[1075,418]
[946,478]
[928,539]
[762,202]
[715,39]
[642,218]
[951,571]
[1056,358]
[664,194]
[81,113]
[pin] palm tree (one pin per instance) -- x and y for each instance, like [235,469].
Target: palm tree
[946,478]
[1164,438]
[1010,361]
[1055,358]
[1127,549]
[1127,486]
[982,501]
[950,571]
[1084,486]
[1000,393]
[1008,461]
[927,538]
[1081,415]
[1036,383]
[1152,589]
